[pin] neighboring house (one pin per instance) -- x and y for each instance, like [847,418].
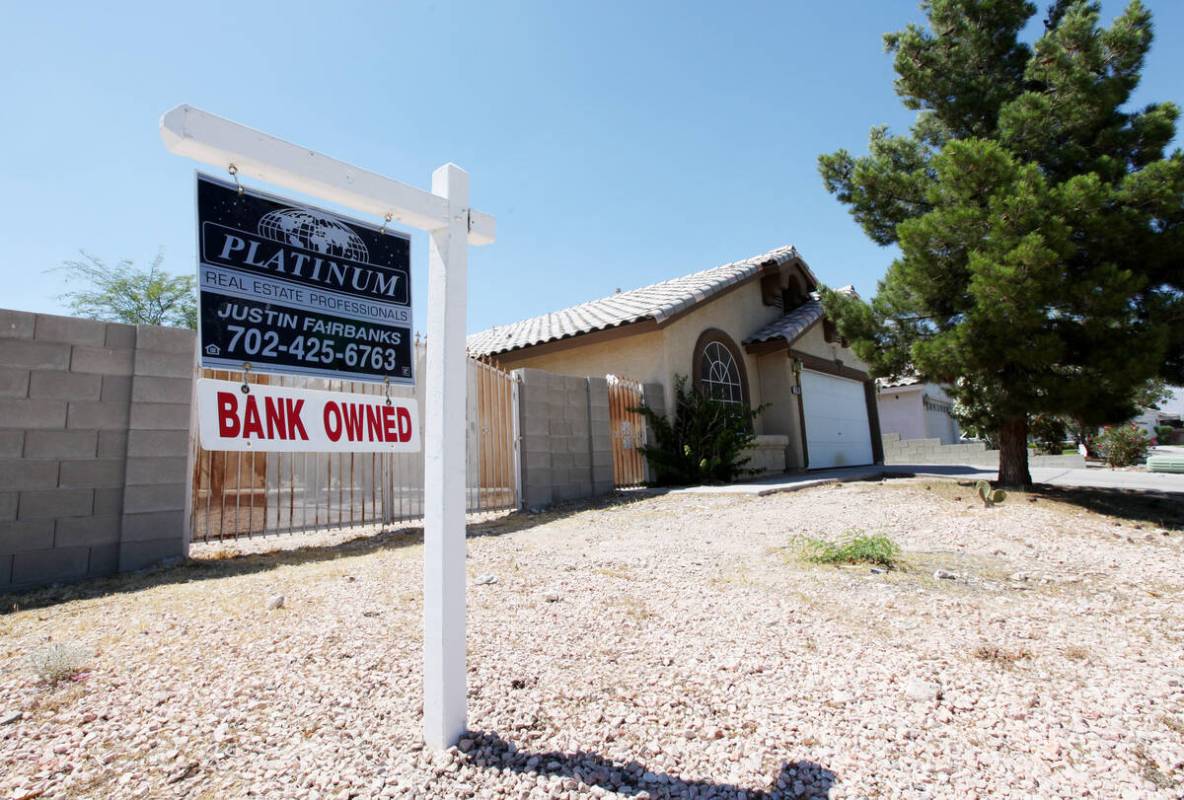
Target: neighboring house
[916,409]
[749,332]
[1151,418]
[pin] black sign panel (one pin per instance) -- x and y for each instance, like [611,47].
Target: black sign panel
[293,289]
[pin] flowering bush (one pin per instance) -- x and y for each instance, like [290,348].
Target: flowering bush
[1123,445]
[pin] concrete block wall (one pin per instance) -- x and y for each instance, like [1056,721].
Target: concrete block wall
[975,454]
[94,446]
[566,448]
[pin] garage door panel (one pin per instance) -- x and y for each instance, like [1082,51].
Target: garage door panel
[837,429]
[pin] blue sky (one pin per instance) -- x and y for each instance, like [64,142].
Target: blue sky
[617,143]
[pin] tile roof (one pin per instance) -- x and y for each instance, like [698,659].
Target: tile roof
[897,383]
[658,302]
[791,326]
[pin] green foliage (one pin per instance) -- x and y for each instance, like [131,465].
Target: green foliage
[130,294]
[853,549]
[1164,433]
[1152,394]
[703,443]
[1049,432]
[1122,445]
[988,495]
[1039,220]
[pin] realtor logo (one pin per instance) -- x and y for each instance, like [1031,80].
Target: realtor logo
[302,227]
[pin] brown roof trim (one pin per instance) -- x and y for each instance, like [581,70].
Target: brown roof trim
[826,365]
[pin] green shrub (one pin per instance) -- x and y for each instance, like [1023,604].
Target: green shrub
[1123,445]
[1049,432]
[1164,433]
[703,443]
[878,550]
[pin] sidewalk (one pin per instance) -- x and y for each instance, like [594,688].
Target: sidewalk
[1083,478]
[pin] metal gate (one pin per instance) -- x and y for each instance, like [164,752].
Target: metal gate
[628,431]
[239,494]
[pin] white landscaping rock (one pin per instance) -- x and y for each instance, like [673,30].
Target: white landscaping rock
[692,654]
[922,691]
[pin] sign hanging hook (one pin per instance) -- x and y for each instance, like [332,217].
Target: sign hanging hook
[246,388]
[386,389]
[233,170]
[386,221]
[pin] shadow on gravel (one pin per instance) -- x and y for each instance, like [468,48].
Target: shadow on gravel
[1138,506]
[797,779]
[1149,508]
[227,564]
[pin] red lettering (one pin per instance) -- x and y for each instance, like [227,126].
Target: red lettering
[251,421]
[274,407]
[389,434]
[374,423]
[295,423]
[333,425]
[354,419]
[227,414]
[404,424]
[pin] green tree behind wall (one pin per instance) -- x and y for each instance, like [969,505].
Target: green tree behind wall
[130,294]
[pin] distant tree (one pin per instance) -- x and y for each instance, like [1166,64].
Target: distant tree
[130,294]
[1040,224]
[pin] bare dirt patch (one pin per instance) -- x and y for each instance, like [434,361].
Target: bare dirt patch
[660,647]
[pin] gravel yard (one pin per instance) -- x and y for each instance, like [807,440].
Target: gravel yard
[654,646]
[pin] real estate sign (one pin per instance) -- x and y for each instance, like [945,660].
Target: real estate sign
[278,419]
[289,288]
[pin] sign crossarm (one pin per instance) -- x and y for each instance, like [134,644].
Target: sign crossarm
[197,134]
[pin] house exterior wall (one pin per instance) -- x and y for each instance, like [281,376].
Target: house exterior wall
[814,343]
[638,356]
[738,313]
[902,413]
[776,378]
[659,355]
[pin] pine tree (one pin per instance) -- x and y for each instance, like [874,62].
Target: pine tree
[1040,222]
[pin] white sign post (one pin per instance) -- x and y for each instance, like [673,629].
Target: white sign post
[445,214]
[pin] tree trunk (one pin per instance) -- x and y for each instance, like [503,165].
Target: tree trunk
[1013,453]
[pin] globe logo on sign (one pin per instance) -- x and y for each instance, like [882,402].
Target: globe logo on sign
[314,231]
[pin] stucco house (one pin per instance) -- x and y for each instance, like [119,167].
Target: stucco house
[917,409]
[751,332]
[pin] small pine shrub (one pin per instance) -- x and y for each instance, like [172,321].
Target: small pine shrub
[57,662]
[877,550]
[1123,445]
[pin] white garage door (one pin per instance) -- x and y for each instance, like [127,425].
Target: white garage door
[837,432]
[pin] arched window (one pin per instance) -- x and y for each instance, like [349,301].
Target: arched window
[719,368]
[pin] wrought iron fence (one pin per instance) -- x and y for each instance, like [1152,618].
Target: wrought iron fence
[249,494]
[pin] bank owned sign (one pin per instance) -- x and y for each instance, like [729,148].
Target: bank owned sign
[289,288]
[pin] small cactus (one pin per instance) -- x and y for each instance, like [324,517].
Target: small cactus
[988,495]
